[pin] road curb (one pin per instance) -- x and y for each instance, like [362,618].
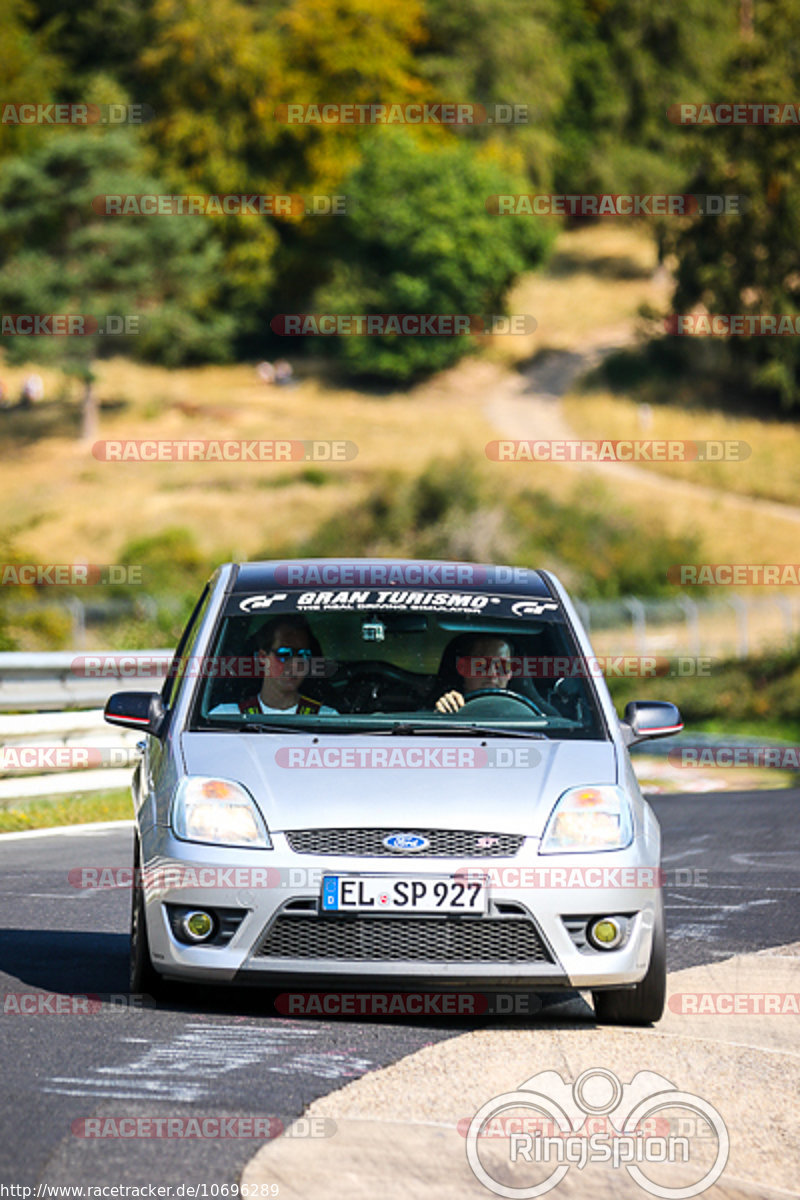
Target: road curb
[400,1130]
[67,830]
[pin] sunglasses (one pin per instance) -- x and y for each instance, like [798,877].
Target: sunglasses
[284,653]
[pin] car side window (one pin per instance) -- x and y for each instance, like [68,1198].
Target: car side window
[177,668]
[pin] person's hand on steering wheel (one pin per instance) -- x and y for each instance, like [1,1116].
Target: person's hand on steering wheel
[450,702]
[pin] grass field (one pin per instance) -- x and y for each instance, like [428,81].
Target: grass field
[770,471]
[59,503]
[80,808]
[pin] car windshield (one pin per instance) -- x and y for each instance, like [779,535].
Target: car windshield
[396,661]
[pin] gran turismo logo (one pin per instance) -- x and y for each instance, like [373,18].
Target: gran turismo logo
[256,603]
[532,608]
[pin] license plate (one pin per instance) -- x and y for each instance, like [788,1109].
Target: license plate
[401,894]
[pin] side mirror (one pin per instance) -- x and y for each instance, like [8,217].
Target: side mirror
[136,710]
[649,719]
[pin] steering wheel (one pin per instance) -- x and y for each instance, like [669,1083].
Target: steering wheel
[493,691]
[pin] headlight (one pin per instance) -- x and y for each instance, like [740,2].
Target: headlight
[589,818]
[218,811]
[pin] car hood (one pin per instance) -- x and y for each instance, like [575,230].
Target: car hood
[489,792]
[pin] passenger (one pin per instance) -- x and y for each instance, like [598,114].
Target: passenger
[285,650]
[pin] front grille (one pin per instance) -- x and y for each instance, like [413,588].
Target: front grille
[368,843]
[404,939]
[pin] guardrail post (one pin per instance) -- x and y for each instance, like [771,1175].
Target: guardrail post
[692,623]
[78,613]
[739,606]
[585,613]
[638,621]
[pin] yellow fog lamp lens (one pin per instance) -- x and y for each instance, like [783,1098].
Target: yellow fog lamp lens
[198,926]
[606,933]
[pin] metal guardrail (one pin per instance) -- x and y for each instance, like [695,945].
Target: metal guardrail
[52,680]
[32,758]
[35,689]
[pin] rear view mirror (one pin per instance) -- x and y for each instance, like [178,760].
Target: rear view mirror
[136,710]
[649,719]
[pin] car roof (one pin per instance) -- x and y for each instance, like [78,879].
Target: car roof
[429,574]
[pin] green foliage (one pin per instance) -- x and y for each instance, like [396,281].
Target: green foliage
[750,262]
[57,255]
[170,561]
[628,61]
[417,239]
[452,511]
[30,71]
[754,693]
[500,52]
[79,808]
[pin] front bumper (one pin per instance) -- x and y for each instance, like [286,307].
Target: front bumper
[530,940]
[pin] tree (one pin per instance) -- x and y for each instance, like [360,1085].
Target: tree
[628,61]
[418,239]
[500,52]
[30,71]
[749,262]
[58,255]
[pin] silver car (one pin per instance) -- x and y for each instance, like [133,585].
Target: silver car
[397,774]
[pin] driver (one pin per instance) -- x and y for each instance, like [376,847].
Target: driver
[285,649]
[492,656]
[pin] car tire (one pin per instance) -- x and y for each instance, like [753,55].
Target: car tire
[644,1003]
[143,979]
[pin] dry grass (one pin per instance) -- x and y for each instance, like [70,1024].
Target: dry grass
[64,503]
[61,504]
[770,470]
[595,282]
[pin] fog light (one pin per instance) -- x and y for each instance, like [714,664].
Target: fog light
[606,933]
[198,926]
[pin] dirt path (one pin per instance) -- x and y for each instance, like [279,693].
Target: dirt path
[528,405]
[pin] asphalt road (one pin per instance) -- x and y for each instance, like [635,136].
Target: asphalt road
[733,869]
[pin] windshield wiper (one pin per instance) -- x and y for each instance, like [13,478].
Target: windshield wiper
[401,728]
[250,726]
